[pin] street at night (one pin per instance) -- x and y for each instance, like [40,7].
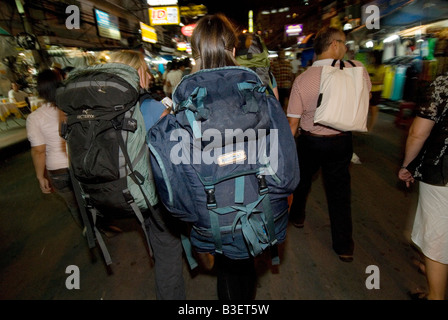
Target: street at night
[173,61]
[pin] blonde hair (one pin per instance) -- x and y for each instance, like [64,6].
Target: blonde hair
[132,58]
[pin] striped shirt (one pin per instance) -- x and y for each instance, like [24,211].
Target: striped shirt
[304,95]
[282,70]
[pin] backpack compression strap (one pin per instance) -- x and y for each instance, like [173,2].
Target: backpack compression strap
[82,209]
[259,234]
[138,179]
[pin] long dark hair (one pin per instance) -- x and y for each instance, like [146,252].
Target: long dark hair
[47,82]
[213,41]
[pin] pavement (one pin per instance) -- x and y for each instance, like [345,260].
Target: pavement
[12,132]
[40,241]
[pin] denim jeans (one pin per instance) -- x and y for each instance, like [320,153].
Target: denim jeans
[332,155]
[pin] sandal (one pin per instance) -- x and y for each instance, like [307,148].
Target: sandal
[421,268]
[346,257]
[418,295]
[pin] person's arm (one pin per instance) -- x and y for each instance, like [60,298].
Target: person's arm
[294,125]
[275,90]
[418,133]
[274,85]
[38,156]
[295,110]
[165,112]
[11,96]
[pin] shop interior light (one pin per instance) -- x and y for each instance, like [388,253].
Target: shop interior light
[369,44]
[347,26]
[391,38]
[418,30]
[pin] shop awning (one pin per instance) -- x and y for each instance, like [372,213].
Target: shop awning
[4,32]
[408,14]
[416,12]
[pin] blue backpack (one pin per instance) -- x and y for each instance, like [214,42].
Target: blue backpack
[226,162]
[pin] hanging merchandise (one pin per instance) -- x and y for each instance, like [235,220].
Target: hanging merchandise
[388,81]
[431,48]
[399,79]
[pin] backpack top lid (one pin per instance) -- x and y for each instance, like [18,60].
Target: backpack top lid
[251,51]
[99,87]
[221,99]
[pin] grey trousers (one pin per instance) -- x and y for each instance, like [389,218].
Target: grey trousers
[167,249]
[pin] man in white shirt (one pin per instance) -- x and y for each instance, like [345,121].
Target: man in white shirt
[175,75]
[16,95]
[296,63]
[322,147]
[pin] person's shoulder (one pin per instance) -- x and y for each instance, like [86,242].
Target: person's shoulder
[34,116]
[307,76]
[310,72]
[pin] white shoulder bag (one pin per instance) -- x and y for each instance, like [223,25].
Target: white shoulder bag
[343,98]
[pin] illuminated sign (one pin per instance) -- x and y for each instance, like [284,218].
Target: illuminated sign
[156,3]
[188,30]
[107,25]
[182,46]
[164,15]
[149,34]
[192,11]
[294,29]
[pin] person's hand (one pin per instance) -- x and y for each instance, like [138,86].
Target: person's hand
[406,176]
[45,186]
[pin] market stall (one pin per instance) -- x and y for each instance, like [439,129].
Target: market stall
[413,39]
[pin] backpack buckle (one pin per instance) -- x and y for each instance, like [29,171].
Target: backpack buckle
[127,196]
[262,185]
[64,130]
[129,124]
[116,124]
[211,200]
[88,202]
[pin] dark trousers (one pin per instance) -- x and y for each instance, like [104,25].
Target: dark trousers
[61,182]
[237,279]
[164,236]
[333,155]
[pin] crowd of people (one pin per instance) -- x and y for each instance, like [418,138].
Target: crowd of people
[318,147]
